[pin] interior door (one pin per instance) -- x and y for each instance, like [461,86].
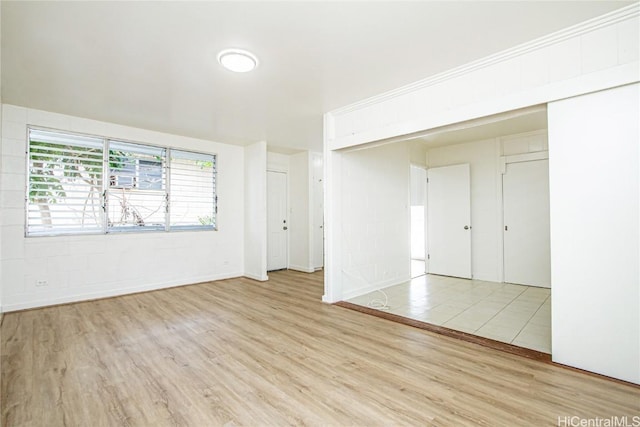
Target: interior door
[449,220]
[525,192]
[277,223]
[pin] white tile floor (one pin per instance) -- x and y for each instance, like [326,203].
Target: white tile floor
[515,314]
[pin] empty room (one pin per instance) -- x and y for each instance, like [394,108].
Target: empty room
[208,210]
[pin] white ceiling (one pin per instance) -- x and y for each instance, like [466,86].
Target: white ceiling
[152,64]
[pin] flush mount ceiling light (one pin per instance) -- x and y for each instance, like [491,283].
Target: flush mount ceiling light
[237,60]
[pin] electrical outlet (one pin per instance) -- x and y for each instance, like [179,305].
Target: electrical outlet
[42,283]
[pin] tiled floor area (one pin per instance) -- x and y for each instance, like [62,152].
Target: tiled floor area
[519,315]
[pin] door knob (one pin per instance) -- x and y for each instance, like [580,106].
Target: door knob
[285,228]
[466,227]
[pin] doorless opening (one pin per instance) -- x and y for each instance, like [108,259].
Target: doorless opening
[418,196]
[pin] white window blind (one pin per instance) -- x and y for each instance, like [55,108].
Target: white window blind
[192,201]
[65,183]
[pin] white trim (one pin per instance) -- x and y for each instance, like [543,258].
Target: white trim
[115,292]
[585,27]
[277,169]
[262,278]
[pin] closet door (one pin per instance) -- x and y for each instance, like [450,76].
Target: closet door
[525,192]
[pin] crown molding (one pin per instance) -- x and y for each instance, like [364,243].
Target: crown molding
[585,27]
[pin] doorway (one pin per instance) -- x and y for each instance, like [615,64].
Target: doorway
[277,221]
[465,174]
[417,222]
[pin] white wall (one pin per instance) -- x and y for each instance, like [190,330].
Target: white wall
[374,231]
[333,244]
[594,143]
[84,267]
[255,213]
[300,244]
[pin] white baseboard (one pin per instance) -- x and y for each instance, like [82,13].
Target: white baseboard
[87,296]
[260,278]
[302,269]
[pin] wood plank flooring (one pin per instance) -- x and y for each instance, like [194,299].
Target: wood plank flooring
[441,330]
[240,352]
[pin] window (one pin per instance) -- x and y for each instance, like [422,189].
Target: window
[83,184]
[192,199]
[65,183]
[137,195]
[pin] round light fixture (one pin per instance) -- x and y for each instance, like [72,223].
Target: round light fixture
[237,60]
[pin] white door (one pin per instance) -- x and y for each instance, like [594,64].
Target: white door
[525,192]
[449,221]
[277,223]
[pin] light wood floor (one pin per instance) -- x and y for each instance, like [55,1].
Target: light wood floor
[240,352]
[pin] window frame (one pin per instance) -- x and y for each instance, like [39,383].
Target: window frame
[103,210]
